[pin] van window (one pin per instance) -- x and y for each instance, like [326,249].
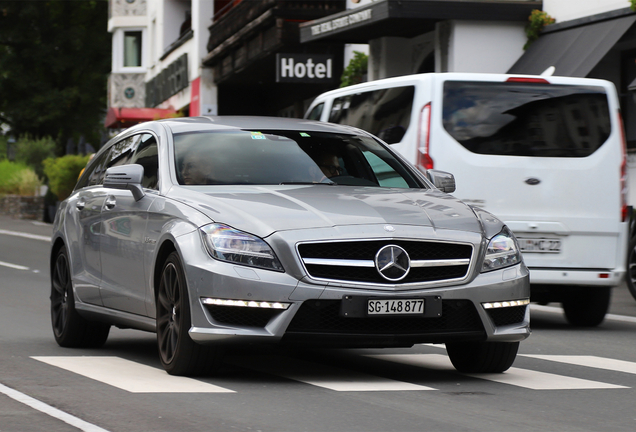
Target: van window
[517,119]
[385,113]
[316,112]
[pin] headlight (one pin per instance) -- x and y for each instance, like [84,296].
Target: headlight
[227,244]
[502,252]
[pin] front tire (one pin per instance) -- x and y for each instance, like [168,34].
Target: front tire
[69,328]
[482,357]
[586,307]
[179,354]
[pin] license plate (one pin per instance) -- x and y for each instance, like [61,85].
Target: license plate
[540,245]
[395,307]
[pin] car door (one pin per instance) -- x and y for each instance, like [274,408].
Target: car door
[83,229]
[124,221]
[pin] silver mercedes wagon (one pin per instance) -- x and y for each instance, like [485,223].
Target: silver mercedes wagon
[218,230]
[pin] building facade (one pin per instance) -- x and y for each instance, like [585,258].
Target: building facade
[271,57]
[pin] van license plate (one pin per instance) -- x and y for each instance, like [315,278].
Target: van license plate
[539,245]
[396,307]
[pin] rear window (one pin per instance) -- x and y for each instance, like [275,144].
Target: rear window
[520,119]
[385,113]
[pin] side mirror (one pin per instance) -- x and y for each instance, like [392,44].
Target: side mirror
[442,180]
[126,177]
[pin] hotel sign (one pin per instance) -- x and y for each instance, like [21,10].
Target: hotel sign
[304,68]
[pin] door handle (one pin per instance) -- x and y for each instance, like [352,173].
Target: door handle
[80,204]
[110,202]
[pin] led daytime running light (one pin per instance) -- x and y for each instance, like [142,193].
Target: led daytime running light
[246,303]
[505,304]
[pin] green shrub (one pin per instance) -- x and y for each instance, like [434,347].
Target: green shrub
[63,173]
[18,179]
[355,70]
[27,183]
[33,151]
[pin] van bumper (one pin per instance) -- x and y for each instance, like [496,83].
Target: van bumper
[595,277]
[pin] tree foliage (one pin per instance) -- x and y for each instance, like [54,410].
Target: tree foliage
[55,58]
[356,69]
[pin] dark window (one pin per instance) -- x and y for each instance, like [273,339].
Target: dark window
[94,173]
[517,119]
[316,112]
[121,152]
[146,155]
[385,113]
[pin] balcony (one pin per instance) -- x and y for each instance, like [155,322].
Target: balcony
[246,31]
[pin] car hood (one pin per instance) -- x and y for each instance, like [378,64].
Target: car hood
[263,210]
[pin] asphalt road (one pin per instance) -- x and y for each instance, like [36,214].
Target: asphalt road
[564,379]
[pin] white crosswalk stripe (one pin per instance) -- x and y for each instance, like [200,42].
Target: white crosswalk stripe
[138,378]
[328,377]
[590,361]
[131,376]
[514,376]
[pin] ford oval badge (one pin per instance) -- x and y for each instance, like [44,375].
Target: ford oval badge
[533,181]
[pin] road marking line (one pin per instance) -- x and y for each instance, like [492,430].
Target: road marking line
[13,266]
[557,310]
[26,235]
[131,376]
[590,361]
[332,378]
[514,376]
[49,410]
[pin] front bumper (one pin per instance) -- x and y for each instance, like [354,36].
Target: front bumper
[312,313]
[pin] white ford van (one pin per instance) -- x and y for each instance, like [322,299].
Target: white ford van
[544,154]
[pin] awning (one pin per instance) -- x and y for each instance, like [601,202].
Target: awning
[125,117]
[574,51]
[409,18]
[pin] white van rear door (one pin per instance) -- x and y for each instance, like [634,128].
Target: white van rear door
[547,158]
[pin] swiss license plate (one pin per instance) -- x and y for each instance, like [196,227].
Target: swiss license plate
[395,307]
[540,245]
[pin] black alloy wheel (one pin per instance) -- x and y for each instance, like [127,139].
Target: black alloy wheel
[631,267]
[69,328]
[178,353]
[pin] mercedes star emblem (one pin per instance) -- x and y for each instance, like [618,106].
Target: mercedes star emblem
[393,263]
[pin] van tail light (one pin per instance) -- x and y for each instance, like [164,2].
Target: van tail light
[423,158]
[623,172]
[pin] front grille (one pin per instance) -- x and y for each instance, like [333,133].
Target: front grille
[241,316]
[366,251]
[508,315]
[323,317]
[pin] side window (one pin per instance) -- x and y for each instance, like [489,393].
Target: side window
[386,175]
[147,156]
[94,174]
[121,153]
[385,113]
[316,112]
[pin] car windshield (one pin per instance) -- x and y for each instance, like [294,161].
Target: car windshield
[286,157]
